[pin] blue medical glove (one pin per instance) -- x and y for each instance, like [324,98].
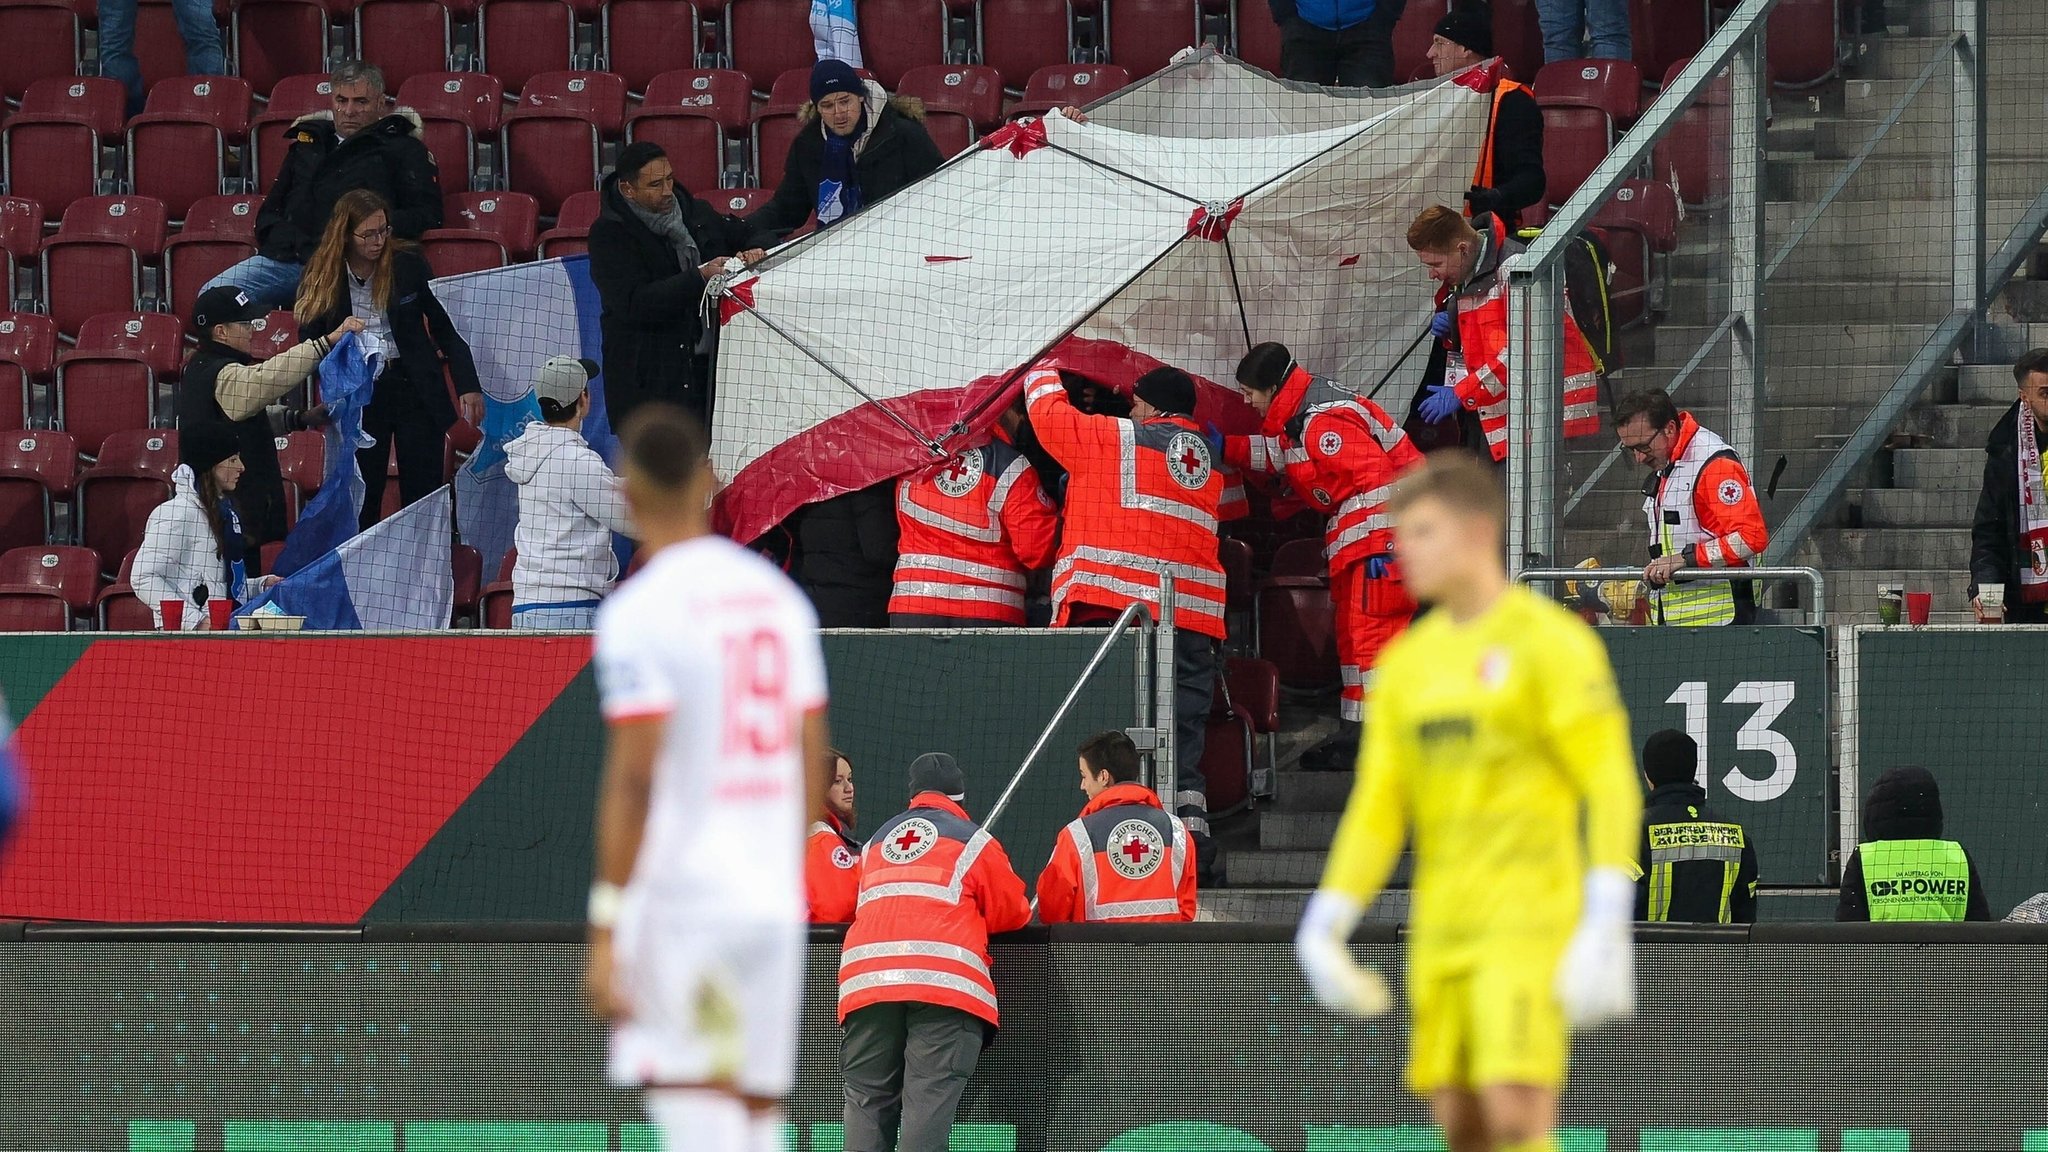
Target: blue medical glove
[1442,325]
[1439,404]
[1379,567]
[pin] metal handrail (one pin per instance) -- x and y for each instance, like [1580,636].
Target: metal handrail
[1132,612]
[1808,576]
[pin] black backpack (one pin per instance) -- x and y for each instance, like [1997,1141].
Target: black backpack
[1586,269]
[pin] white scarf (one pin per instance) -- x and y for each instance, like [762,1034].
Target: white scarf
[2033,544]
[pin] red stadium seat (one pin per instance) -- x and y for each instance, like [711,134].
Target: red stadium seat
[693,115]
[766,38]
[646,38]
[115,495]
[1245,704]
[300,94]
[52,146]
[721,94]
[1236,558]
[599,97]
[453,147]
[571,232]
[1664,33]
[280,331]
[119,609]
[302,461]
[474,98]
[1296,626]
[1518,38]
[154,338]
[113,380]
[274,39]
[971,90]
[1258,38]
[187,119]
[1301,557]
[742,202]
[550,157]
[775,125]
[36,470]
[1800,35]
[219,233]
[1064,84]
[94,263]
[1583,103]
[468,566]
[21,237]
[897,36]
[454,251]
[520,39]
[512,218]
[159,48]
[1412,34]
[28,351]
[1021,36]
[1145,34]
[73,573]
[1641,223]
[497,604]
[1694,154]
[404,37]
[29,609]
[233,216]
[38,41]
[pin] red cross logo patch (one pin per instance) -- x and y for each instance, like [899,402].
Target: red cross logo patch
[1136,849]
[909,840]
[1187,460]
[961,474]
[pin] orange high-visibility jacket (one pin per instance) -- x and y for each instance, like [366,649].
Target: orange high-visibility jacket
[1142,499]
[1719,523]
[933,885]
[831,872]
[969,533]
[1125,859]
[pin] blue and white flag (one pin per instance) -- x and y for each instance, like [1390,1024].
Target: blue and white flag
[515,319]
[396,576]
[834,34]
[347,375]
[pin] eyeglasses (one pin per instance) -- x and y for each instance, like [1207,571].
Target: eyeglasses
[373,234]
[1643,449]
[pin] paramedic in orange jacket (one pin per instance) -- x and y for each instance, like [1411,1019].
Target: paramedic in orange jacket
[831,853]
[1126,859]
[1143,498]
[970,531]
[915,996]
[1702,513]
[1341,453]
[1471,321]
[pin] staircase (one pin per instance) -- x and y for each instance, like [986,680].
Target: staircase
[1846,311]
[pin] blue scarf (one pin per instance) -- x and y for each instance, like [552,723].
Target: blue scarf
[838,183]
[234,550]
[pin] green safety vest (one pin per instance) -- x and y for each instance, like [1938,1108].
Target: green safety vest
[1915,880]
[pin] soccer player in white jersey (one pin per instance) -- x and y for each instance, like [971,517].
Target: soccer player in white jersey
[713,691]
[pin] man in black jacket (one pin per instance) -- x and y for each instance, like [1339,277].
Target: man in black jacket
[2009,537]
[355,146]
[1699,869]
[1510,174]
[857,146]
[653,250]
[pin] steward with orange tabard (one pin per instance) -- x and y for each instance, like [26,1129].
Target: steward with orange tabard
[1471,321]
[969,533]
[1510,174]
[916,998]
[1125,860]
[832,854]
[1143,499]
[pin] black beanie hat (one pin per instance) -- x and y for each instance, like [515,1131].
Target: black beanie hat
[1470,24]
[829,76]
[1670,757]
[203,445]
[1170,390]
[938,772]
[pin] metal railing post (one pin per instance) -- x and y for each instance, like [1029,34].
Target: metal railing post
[1749,105]
[1811,577]
[1970,142]
[1164,771]
[1535,409]
[1131,617]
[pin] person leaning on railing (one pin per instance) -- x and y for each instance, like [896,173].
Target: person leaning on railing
[1903,870]
[1125,859]
[1702,512]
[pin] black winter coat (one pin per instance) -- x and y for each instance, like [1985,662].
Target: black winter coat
[651,319]
[1695,884]
[1995,532]
[845,556]
[425,340]
[1518,176]
[387,157]
[259,495]
[899,152]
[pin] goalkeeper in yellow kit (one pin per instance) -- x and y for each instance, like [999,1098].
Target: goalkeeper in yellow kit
[1495,743]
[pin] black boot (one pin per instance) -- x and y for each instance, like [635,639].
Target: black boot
[1337,754]
[1209,871]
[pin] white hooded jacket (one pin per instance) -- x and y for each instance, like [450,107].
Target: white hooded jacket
[569,506]
[178,554]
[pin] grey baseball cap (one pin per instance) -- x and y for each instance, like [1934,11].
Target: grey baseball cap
[563,378]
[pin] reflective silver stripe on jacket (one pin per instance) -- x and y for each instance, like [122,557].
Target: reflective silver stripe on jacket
[963,593]
[1094,910]
[1357,533]
[987,573]
[989,533]
[1127,479]
[948,893]
[913,950]
[916,978]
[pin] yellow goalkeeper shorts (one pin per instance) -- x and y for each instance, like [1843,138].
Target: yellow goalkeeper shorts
[1497,1023]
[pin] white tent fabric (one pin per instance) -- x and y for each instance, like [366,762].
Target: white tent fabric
[862,352]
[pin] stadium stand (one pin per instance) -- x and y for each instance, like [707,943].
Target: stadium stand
[1143,35]
[21,236]
[1694,156]
[40,41]
[645,38]
[520,39]
[740,201]
[468,566]
[117,608]
[187,119]
[775,125]
[302,462]
[114,380]
[1585,103]
[28,351]
[898,36]
[960,102]
[219,232]
[116,492]
[552,141]
[73,573]
[38,471]
[273,39]
[95,262]
[53,145]
[1058,85]
[1018,37]
[571,232]
[405,37]
[697,116]
[1641,228]
[513,218]
[766,38]
[291,98]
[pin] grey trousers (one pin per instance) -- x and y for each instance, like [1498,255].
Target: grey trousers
[905,1068]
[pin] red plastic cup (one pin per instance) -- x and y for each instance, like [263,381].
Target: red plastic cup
[1918,605]
[174,615]
[218,611]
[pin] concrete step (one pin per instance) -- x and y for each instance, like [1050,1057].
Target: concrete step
[1951,425]
[1853,591]
[1840,139]
[1851,548]
[1803,180]
[1873,100]
[1275,869]
[1882,294]
[1938,468]
[1916,507]
[1986,384]
[1304,792]
[1297,829]
[1808,344]
[2020,19]
[2015,59]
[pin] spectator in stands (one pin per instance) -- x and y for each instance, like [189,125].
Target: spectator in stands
[224,383]
[1346,43]
[916,999]
[362,270]
[1510,175]
[203,54]
[1125,859]
[2009,537]
[1701,869]
[653,250]
[193,548]
[1702,513]
[1903,869]
[1573,29]
[843,556]
[832,852]
[857,146]
[569,506]
[356,146]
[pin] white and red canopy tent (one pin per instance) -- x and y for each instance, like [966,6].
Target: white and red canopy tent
[1206,209]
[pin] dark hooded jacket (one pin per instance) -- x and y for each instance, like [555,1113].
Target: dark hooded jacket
[895,153]
[651,317]
[1904,804]
[844,556]
[387,157]
[1995,532]
[426,342]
